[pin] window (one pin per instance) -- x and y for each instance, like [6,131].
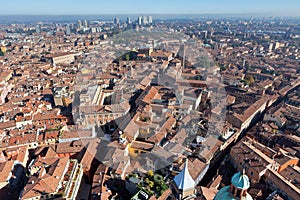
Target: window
[251,173]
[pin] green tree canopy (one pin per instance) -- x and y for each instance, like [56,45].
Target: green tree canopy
[150,173]
[158,179]
[249,80]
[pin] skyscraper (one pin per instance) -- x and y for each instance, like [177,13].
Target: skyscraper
[116,20]
[68,29]
[140,20]
[79,25]
[144,20]
[128,20]
[150,20]
[85,24]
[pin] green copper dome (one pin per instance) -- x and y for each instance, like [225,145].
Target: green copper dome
[225,194]
[240,181]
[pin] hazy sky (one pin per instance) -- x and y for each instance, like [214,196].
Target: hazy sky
[67,7]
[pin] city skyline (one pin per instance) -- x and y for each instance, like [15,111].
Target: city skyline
[100,106]
[68,7]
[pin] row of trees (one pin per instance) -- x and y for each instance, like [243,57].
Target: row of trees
[153,184]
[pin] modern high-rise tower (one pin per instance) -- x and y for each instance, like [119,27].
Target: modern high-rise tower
[79,25]
[68,29]
[150,20]
[128,20]
[144,20]
[85,23]
[116,20]
[140,20]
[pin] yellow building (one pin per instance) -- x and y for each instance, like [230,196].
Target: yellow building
[3,49]
[136,148]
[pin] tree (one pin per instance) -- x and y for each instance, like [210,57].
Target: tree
[34,56]
[127,57]
[199,77]
[151,184]
[150,192]
[249,80]
[135,175]
[147,180]
[157,188]
[150,173]
[158,179]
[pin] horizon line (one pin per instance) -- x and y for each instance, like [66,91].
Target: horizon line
[183,14]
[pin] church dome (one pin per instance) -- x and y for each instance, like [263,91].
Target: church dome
[225,194]
[240,181]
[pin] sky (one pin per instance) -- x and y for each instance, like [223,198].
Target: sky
[100,7]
